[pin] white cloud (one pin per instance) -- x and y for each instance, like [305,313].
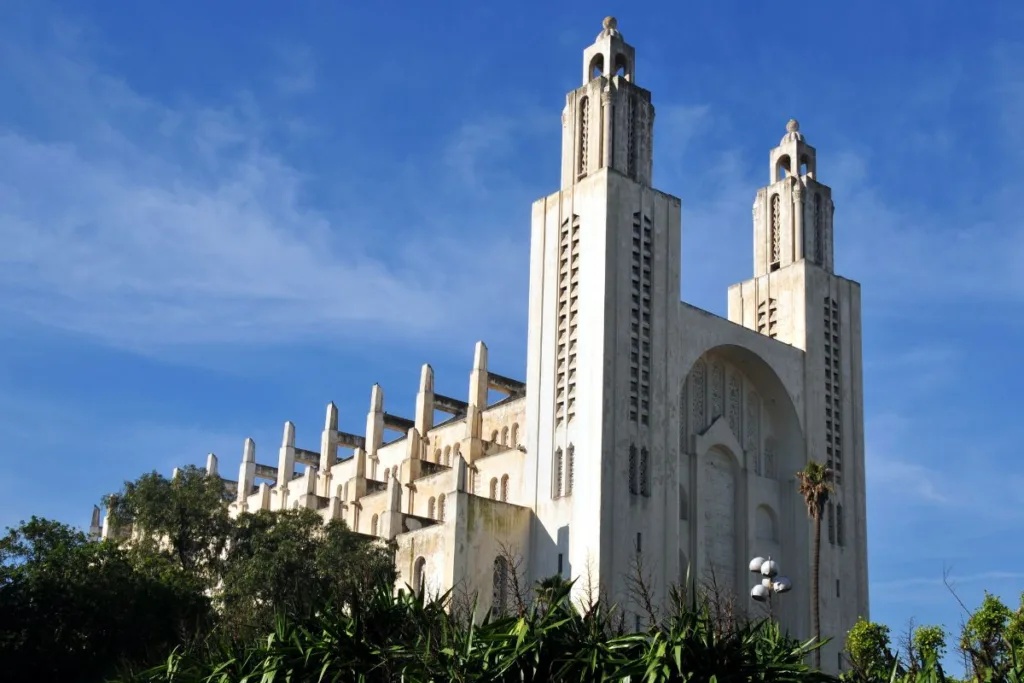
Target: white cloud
[147,225]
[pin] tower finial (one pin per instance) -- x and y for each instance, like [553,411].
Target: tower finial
[610,23]
[793,126]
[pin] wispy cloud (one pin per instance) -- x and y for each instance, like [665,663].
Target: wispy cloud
[148,225]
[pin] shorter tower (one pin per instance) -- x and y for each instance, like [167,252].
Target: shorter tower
[796,297]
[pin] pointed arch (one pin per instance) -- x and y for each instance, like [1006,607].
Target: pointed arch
[440,507]
[437,455]
[387,474]
[448,456]
[373,525]
[766,524]
[494,436]
[431,507]
[494,488]
[515,434]
[504,436]
[504,488]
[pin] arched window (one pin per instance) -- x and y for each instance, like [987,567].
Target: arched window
[819,232]
[776,238]
[504,436]
[515,434]
[355,517]
[632,469]
[440,508]
[474,478]
[494,488]
[584,135]
[430,507]
[373,525]
[499,597]
[448,456]
[782,167]
[559,471]
[387,474]
[419,575]
[645,473]
[570,466]
[412,501]
[596,66]
[437,455]
[494,436]
[504,488]
[454,456]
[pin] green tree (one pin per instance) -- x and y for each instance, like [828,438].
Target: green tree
[184,518]
[291,562]
[869,653]
[75,610]
[992,638]
[815,486]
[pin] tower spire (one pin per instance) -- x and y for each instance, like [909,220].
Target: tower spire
[608,121]
[793,213]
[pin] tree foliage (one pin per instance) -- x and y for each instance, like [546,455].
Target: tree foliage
[72,609]
[290,562]
[183,517]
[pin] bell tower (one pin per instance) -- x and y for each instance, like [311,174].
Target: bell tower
[604,299]
[797,298]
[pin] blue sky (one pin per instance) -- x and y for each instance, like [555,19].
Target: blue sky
[219,216]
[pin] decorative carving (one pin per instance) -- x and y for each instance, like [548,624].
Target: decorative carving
[734,404]
[752,424]
[717,389]
[698,389]
[776,237]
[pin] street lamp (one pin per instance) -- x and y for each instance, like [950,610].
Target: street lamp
[771,583]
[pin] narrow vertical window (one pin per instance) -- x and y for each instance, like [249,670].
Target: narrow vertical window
[499,597]
[494,488]
[645,473]
[373,525]
[632,469]
[840,531]
[639,542]
[440,508]
[431,507]
[419,575]
[570,457]
[776,238]
[556,483]
[583,139]
[819,232]
[831,514]
[559,564]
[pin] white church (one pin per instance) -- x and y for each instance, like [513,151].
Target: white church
[645,426]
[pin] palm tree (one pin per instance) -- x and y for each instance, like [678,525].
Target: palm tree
[815,487]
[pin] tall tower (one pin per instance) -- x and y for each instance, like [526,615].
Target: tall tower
[604,284]
[796,297]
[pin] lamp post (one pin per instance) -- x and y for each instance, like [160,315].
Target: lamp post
[771,583]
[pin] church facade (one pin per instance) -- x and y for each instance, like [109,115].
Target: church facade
[645,427]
